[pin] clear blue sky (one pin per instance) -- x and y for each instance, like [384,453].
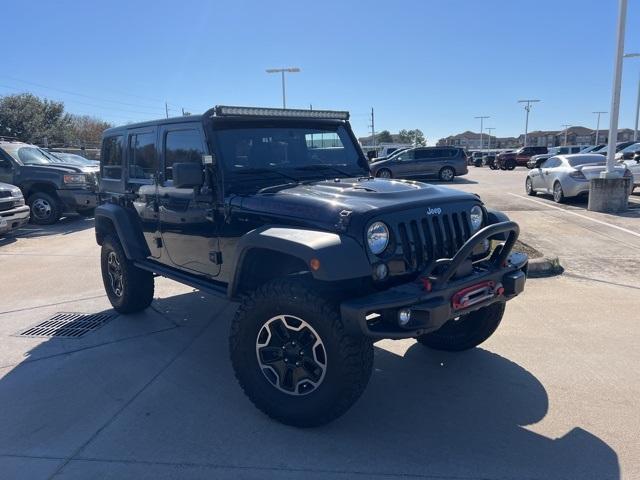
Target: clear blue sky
[429,64]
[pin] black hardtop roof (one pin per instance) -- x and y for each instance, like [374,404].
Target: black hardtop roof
[216,114]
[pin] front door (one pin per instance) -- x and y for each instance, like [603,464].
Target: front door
[188,232]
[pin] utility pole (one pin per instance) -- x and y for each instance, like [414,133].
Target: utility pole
[489,129]
[166,109]
[566,133]
[481,138]
[282,71]
[598,125]
[527,108]
[635,129]
[373,129]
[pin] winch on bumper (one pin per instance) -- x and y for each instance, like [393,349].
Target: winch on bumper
[447,289]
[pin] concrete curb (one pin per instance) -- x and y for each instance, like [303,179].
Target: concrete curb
[544,267]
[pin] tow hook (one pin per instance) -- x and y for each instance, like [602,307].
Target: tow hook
[480,292]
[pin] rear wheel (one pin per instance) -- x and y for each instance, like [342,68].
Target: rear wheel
[558,194]
[384,173]
[446,174]
[467,331]
[292,357]
[129,288]
[528,186]
[45,208]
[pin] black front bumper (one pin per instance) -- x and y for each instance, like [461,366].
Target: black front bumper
[78,199]
[447,289]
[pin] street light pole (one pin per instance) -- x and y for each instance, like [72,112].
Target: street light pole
[635,129]
[489,129]
[282,71]
[598,126]
[481,137]
[615,93]
[527,107]
[566,133]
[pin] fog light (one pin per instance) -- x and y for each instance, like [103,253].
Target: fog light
[404,317]
[380,271]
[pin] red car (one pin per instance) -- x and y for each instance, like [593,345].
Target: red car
[511,160]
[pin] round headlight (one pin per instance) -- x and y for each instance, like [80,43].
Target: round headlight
[476,217]
[377,237]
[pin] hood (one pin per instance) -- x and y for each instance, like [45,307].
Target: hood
[62,168]
[327,202]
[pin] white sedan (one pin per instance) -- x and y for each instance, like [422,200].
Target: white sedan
[567,175]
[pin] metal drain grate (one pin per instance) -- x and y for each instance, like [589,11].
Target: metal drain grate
[68,325]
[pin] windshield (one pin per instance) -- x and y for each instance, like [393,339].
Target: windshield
[255,157]
[33,156]
[632,148]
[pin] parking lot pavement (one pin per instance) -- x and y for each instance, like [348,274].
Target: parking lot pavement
[553,394]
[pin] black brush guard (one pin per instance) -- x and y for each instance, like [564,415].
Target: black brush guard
[451,287]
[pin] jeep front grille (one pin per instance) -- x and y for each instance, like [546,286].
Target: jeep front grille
[431,238]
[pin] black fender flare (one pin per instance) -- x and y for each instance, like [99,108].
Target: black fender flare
[496,216]
[127,226]
[340,257]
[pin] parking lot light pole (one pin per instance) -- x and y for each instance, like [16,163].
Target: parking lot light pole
[635,129]
[481,137]
[489,129]
[598,126]
[282,71]
[527,108]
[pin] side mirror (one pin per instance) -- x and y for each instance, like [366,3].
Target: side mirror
[187,175]
[539,162]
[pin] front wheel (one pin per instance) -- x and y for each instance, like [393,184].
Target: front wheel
[511,165]
[45,208]
[467,331]
[446,174]
[292,357]
[528,186]
[384,173]
[129,288]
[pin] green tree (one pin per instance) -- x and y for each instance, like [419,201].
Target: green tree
[384,137]
[412,136]
[33,120]
[86,131]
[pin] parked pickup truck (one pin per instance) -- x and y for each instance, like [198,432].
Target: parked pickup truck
[13,211]
[52,187]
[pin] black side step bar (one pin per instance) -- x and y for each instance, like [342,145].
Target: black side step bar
[201,283]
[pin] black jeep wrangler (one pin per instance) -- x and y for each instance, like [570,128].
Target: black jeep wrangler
[277,209]
[52,187]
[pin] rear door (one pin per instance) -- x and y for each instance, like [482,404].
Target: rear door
[189,236]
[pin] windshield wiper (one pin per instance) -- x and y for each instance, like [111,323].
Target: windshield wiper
[326,166]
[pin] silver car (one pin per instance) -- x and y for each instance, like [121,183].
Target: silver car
[567,175]
[444,163]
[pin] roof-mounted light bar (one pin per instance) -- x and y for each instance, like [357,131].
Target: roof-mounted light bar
[228,111]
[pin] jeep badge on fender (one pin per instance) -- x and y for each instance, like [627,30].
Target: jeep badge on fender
[277,209]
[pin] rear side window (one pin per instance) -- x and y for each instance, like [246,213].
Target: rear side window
[143,160]
[181,146]
[111,158]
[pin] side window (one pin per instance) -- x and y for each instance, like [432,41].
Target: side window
[143,160]
[111,158]
[551,163]
[421,154]
[181,146]
[405,156]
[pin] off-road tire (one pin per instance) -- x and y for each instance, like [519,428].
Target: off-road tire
[384,173]
[467,332]
[446,174]
[41,203]
[528,187]
[137,285]
[349,359]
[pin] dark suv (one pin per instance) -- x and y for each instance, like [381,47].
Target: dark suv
[519,158]
[52,188]
[440,162]
[276,209]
